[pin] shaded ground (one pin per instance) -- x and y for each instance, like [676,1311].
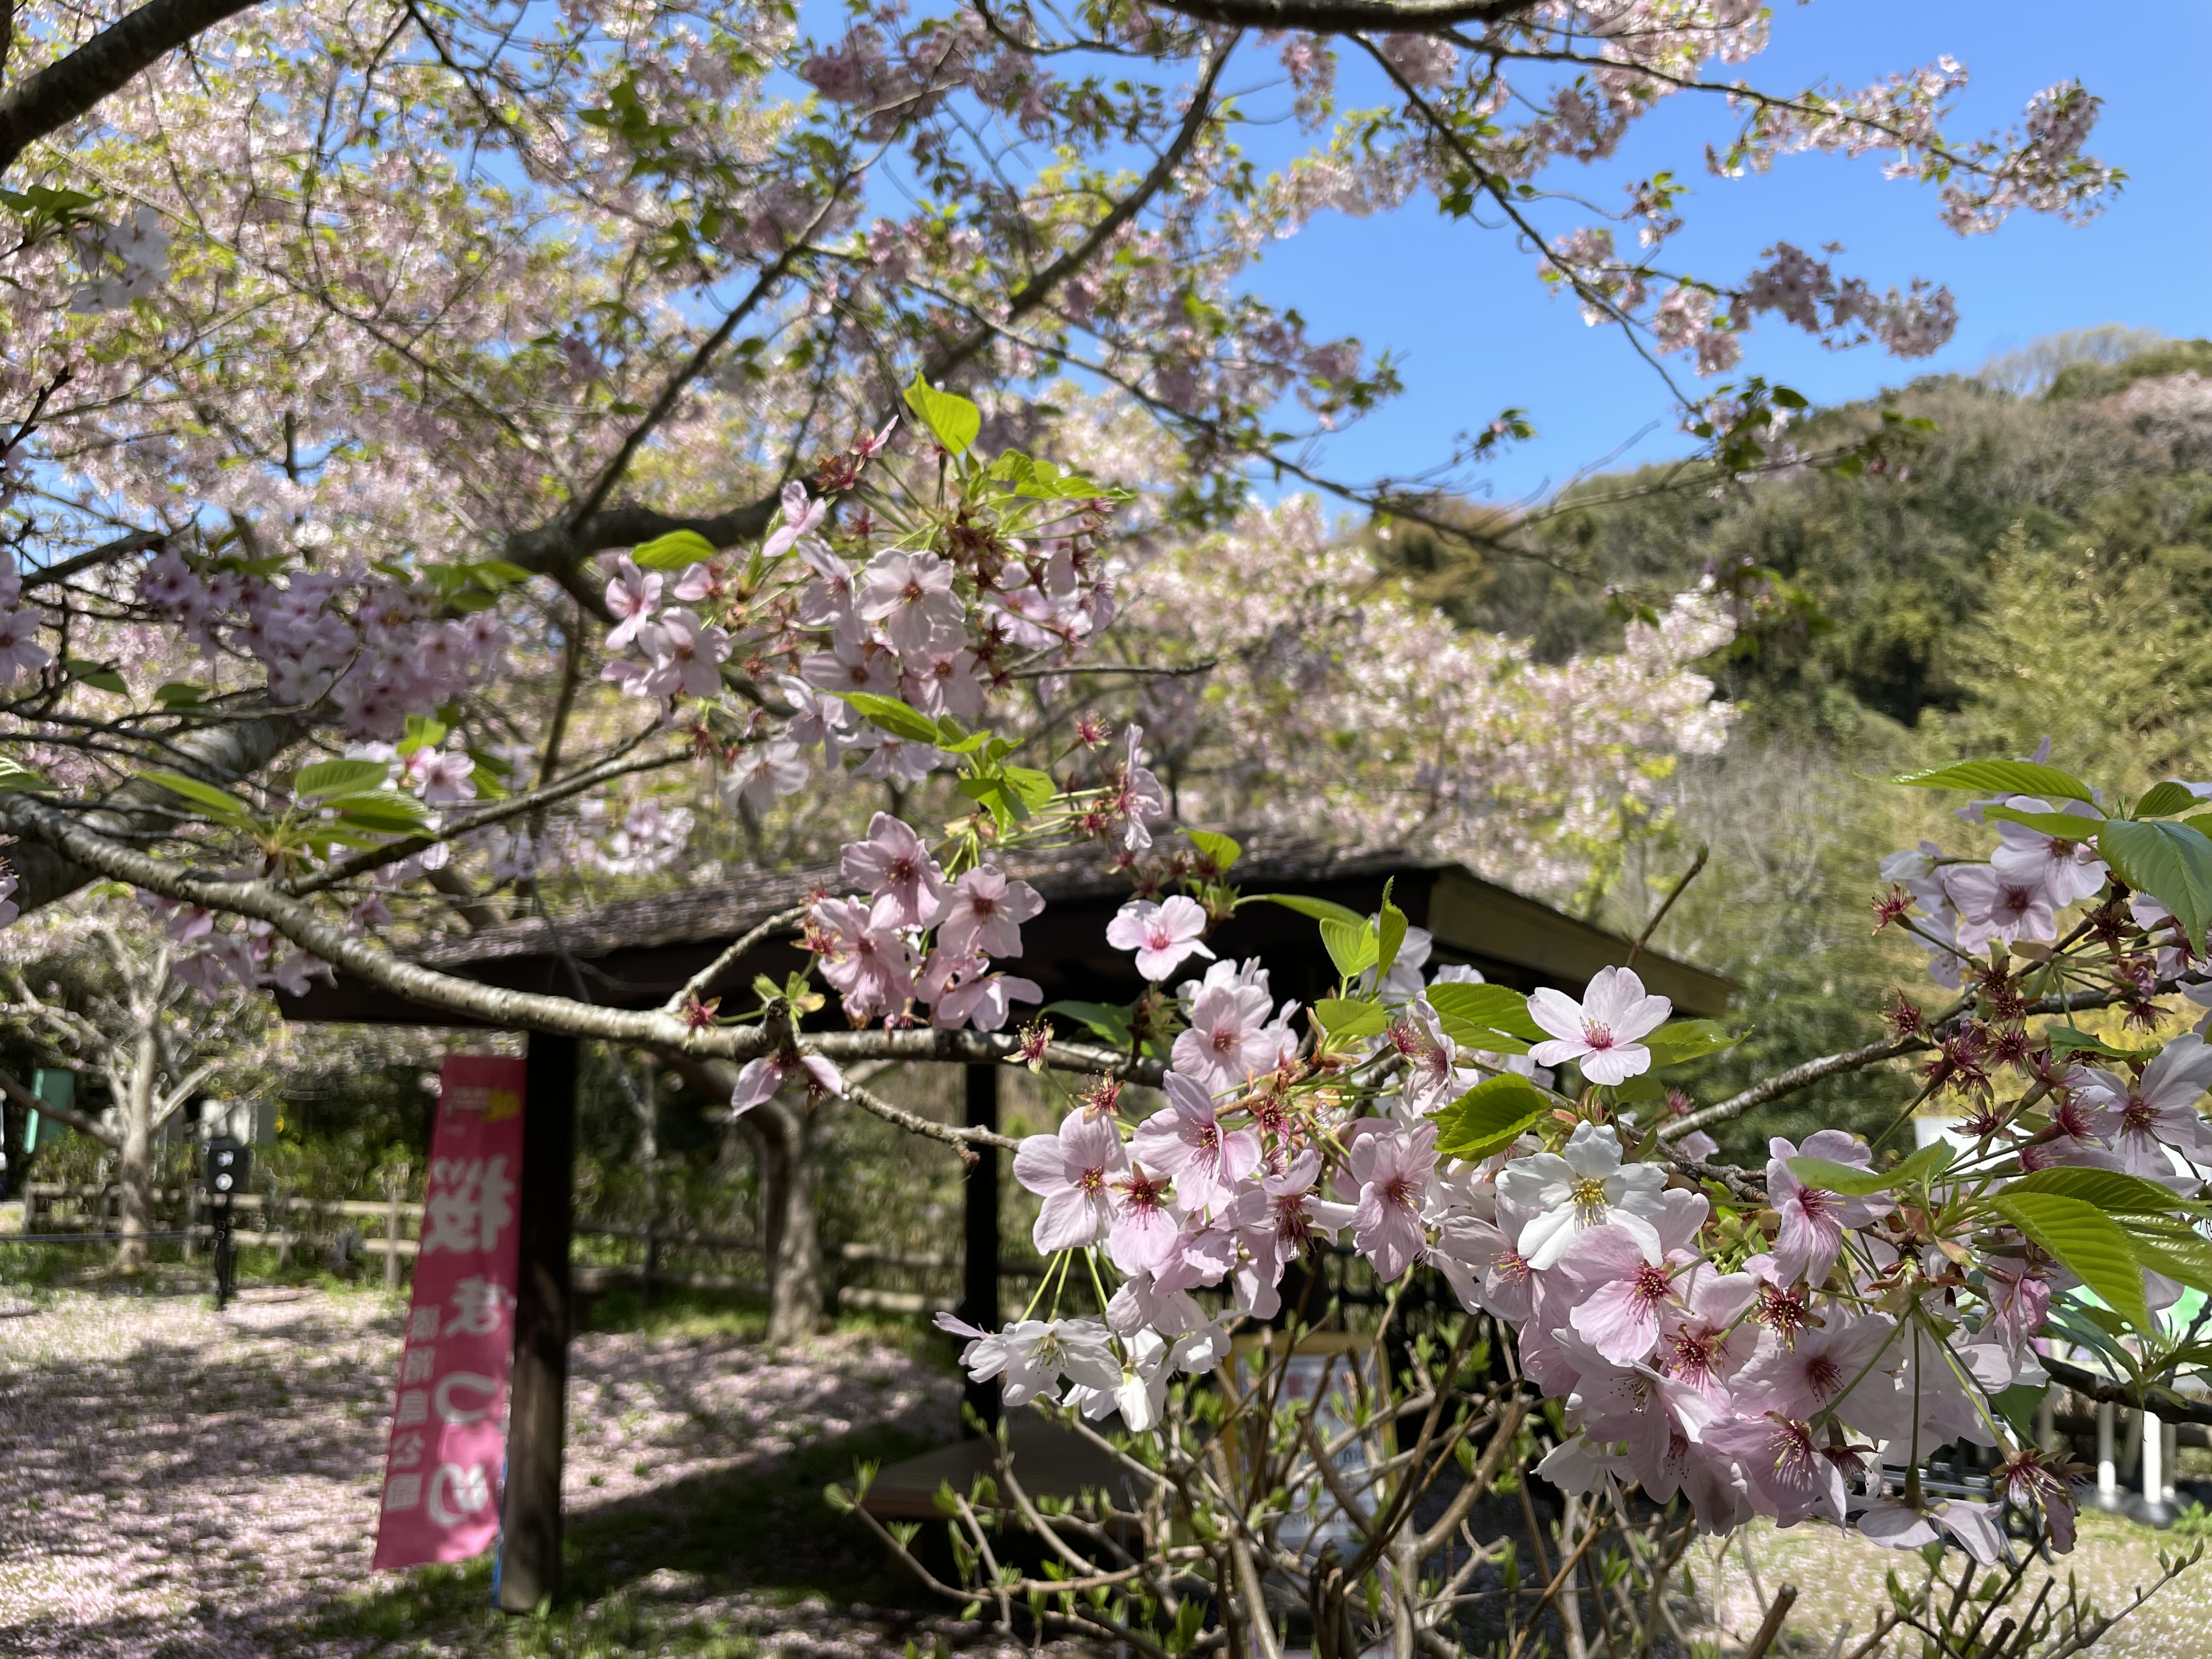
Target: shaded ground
[175,1482]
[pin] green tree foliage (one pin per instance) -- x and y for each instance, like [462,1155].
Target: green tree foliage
[1961,594]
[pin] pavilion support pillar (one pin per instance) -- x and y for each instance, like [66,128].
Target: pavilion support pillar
[530,1524]
[979,1301]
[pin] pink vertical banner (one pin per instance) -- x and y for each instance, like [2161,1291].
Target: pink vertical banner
[442,1466]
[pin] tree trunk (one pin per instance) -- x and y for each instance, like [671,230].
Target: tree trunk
[783,1133]
[135,1171]
[791,1240]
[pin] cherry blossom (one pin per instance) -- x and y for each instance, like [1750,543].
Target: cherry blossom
[1163,935]
[1600,1033]
[1072,1171]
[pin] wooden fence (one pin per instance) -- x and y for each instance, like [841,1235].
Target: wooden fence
[391,1228]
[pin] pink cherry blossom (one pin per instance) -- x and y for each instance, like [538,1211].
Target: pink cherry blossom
[1599,1033]
[632,595]
[1163,935]
[1072,1172]
[897,870]
[1391,1167]
[981,913]
[1187,1139]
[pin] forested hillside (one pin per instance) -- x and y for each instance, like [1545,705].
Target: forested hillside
[1886,623]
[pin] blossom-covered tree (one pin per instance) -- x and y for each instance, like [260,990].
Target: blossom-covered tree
[431,429]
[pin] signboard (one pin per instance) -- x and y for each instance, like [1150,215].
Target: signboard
[1331,1375]
[443,1463]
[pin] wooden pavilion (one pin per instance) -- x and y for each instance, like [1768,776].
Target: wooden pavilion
[635,953]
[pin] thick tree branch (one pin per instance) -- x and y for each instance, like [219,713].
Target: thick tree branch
[72,86]
[1348,16]
[1035,292]
[2169,1405]
[226,755]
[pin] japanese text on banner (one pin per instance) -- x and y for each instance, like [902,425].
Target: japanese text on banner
[449,1421]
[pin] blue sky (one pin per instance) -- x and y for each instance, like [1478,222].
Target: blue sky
[1476,332]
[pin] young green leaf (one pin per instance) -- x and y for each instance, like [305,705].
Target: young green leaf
[1346,1017]
[1848,1183]
[2067,1040]
[1483,1010]
[1352,944]
[951,419]
[1104,1018]
[1999,778]
[894,716]
[678,550]
[2067,826]
[340,777]
[2165,799]
[214,801]
[2171,862]
[179,694]
[1688,1039]
[2086,1241]
[1492,1115]
[422,732]
[2108,1189]
[1319,909]
[1390,934]
[15,775]
[92,674]
[1220,850]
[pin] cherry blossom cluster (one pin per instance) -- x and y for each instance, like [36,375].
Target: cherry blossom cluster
[374,646]
[1793,1344]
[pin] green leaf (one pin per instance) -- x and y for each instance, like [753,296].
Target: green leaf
[1031,787]
[179,694]
[2164,799]
[1491,1115]
[340,777]
[1352,944]
[2171,862]
[92,674]
[1472,1015]
[2180,1254]
[2066,826]
[227,807]
[951,419]
[15,775]
[678,550]
[1390,933]
[422,732]
[1688,1039]
[386,813]
[1848,1183]
[1104,1018]
[1999,778]
[1346,1017]
[1319,909]
[2066,1040]
[894,716]
[2108,1189]
[2087,1243]
[1220,850]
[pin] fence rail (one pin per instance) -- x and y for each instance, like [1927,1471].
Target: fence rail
[87,1212]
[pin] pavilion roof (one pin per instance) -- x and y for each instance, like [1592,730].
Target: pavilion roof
[634,952]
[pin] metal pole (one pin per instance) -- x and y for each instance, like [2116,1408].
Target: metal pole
[2108,1473]
[979,1301]
[2154,1451]
[530,1521]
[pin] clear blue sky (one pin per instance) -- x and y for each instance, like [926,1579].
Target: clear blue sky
[1477,331]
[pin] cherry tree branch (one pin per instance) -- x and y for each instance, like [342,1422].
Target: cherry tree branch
[72,85]
[1348,16]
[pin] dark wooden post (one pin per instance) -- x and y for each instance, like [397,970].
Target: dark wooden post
[979,1301]
[530,1521]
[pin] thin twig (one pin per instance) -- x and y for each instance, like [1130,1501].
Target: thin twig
[1665,904]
